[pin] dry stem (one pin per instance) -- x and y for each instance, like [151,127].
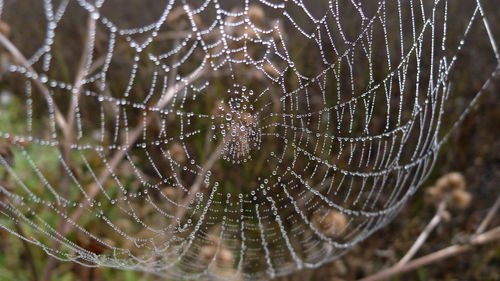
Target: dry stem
[479,238]
[424,235]
[68,135]
[491,214]
[14,51]
[486,237]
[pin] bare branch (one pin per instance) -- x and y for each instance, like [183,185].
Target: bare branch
[486,237]
[195,187]
[83,70]
[14,51]
[68,133]
[491,214]
[119,154]
[424,235]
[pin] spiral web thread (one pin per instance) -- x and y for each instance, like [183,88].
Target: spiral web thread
[294,161]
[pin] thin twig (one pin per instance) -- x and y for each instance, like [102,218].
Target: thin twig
[424,235]
[486,237]
[117,157]
[14,51]
[83,70]
[195,187]
[491,214]
[68,135]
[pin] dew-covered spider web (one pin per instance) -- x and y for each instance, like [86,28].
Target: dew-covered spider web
[226,139]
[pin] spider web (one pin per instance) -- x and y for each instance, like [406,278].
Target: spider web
[200,139]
